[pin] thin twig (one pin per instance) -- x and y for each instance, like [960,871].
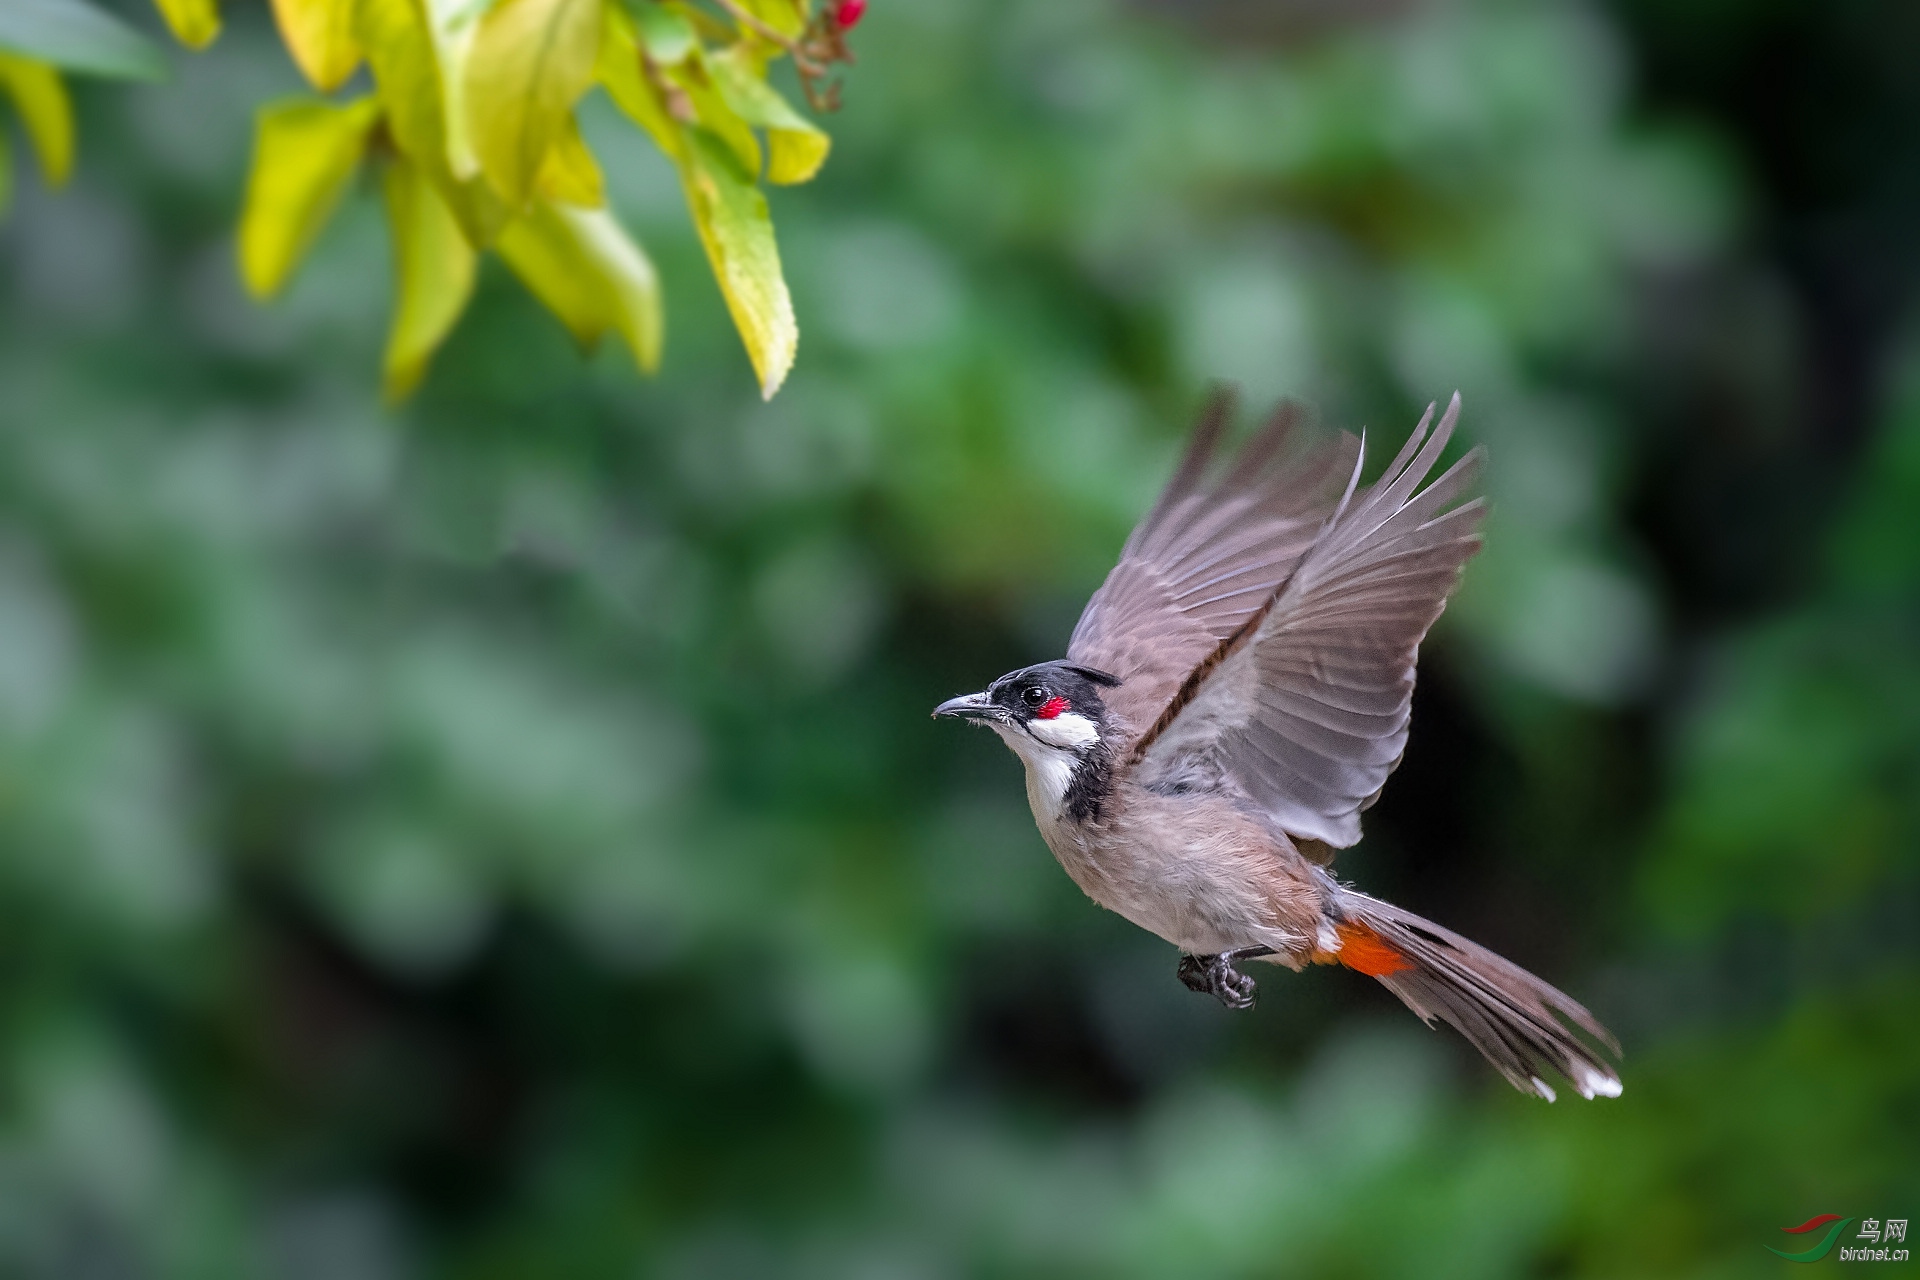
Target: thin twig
[747,19]
[809,58]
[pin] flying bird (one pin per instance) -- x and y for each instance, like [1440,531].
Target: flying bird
[1235,696]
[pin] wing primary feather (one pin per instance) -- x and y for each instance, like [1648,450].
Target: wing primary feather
[1353,482]
[1399,466]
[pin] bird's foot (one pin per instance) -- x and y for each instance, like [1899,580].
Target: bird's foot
[1215,976]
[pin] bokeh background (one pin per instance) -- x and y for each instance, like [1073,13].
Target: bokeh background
[504,837]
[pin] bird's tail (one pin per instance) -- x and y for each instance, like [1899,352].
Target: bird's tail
[1519,1022]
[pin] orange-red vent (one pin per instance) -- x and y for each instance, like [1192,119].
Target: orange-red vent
[1362,951]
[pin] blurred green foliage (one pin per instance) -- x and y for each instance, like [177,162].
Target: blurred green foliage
[470,126]
[506,838]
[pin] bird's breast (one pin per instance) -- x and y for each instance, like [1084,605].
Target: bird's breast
[1049,778]
[1194,869]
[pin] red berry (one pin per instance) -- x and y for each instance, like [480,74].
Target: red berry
[849,12]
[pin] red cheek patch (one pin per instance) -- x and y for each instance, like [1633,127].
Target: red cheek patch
[1050,708]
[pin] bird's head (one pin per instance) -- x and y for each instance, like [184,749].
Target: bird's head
[1049,711]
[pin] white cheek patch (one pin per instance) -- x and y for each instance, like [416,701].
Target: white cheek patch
[1069,731]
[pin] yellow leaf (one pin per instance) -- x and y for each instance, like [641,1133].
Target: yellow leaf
[619,70]
[530,61]
[584,268]
[795,155]
[433,268]
[481,213]
[414,79]
[40,97]
[453,24]
[398,37]
[194,23]
[633,287]
[304,155]
[796,147]
[571,175]
[542,251]
[319,35]
[735,229]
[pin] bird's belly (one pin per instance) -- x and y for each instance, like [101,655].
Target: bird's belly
[1192,869]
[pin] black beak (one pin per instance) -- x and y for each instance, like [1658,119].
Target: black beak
[969,706]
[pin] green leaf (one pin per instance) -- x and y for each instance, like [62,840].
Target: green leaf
[41,99]
[79,37]
[663,31]
[194,23]
[433,269]
[731,215]
[530,62]
[585,269]
[618,69]
[6,173]
[796,147]
[714,112]
[304,155]
[320,36]
[408,53]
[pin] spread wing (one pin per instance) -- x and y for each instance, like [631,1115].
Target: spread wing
[1208,557]
[1307,712]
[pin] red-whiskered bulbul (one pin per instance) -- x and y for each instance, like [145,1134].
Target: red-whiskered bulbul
[1233,698]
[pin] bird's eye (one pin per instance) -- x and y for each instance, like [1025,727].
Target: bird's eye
[1033,695]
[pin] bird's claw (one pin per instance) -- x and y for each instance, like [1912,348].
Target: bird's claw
[1215,976]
